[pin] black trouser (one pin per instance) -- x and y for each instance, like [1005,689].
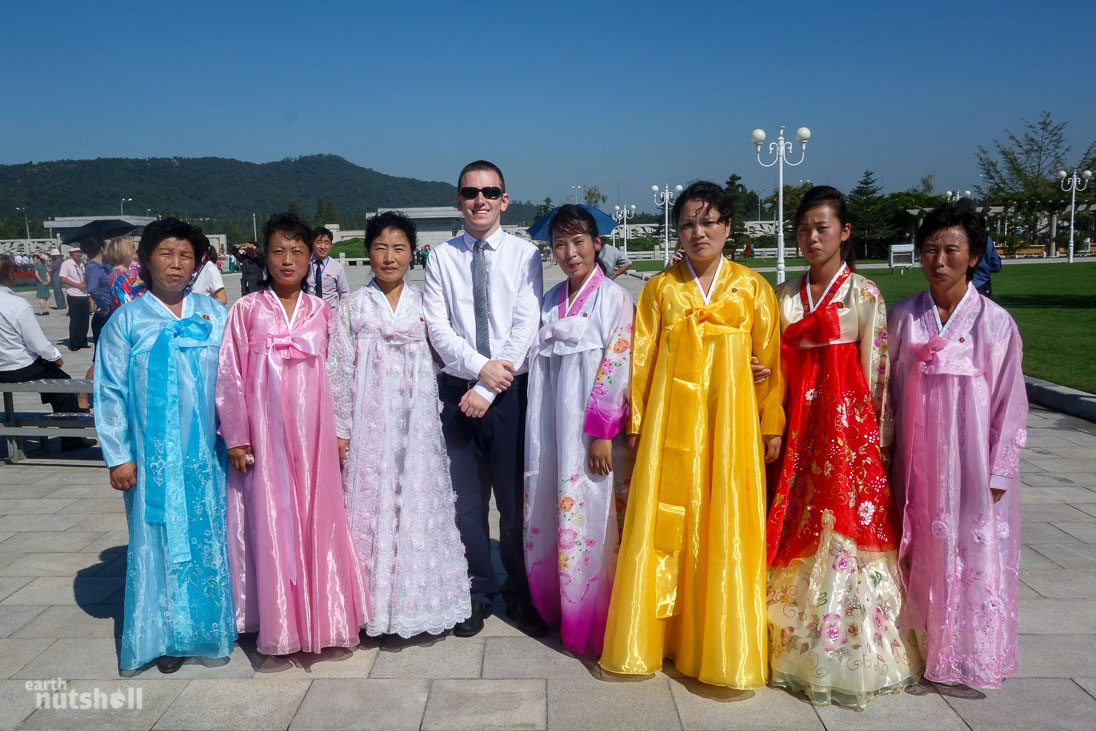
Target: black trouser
[79,314]
[487,452]
[986,289]
[62,403]
[97,321]
[58,292]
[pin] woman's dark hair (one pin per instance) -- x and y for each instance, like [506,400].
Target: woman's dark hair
[91,246]
[571,220]
[168,228]
[711,194]
[7,268]
[960,214]
[292,228]
[827,195]
[376,225]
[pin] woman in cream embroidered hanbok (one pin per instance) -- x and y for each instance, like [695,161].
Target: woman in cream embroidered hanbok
[577,466]
[834,590]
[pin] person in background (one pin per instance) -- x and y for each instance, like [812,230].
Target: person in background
[612,261]
[252,267]
[326,276]
[72,276]
[208,281]
[41,283]
[56,260]
[97,278]
[124,286]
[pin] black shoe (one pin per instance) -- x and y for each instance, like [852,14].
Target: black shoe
[169,664]
[474,624]
[527,619]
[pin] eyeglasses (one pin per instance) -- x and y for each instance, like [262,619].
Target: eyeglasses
[491,192]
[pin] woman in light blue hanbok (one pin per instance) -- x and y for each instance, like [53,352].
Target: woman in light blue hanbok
[156,367]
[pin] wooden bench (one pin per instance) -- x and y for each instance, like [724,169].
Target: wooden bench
[18,425]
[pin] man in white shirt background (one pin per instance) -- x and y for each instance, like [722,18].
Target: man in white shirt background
[26,354]
[326,276]
[482,301]
[79,304]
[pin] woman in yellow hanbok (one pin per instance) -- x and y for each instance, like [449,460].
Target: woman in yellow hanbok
[690,578]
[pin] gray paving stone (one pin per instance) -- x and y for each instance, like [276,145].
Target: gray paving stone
[1055,617]
[77,659]
[257,703]
[15,654]
[451,657]
[1071,452]
[1080,439]
[11,584]
[107,522]
[1050,479]
[1032,559]
[494,626]
[1023,591]
[1084,532]
[72,622]
[1086,507]
[702,706]
[1064,466]
[15,616]
[1059,584]
[39,523]
[16,703]
[1076,496]
[39,542]
[1070,556]
[1024,704]
[151,697]
[486,704]
[31,506]
[1057,655]
[111,542]
[25,487]
[333,662]
[577,703]
[52,564]
[85,491]
[236,666]
[108,505]
[1089,685]
[917,709]
[65,590]
[525,657]
[1033,534]
[1055,513]
[363,704]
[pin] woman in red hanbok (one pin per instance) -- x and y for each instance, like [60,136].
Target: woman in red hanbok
[834,589]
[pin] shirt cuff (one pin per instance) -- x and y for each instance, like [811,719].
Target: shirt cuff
[1001,482]
[475,364]
[482,390]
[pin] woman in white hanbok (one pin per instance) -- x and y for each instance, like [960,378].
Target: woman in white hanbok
[399,497]
[577,467]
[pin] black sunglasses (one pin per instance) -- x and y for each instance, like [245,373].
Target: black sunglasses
[491,192]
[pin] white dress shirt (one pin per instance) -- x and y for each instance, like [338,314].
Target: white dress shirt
[335,284]
[515,284]
[21,338]
[208,281]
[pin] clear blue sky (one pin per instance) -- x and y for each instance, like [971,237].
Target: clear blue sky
[558,94]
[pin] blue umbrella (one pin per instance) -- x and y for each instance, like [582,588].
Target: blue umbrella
[539,230]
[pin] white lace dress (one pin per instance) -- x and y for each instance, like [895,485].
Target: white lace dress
[399,498]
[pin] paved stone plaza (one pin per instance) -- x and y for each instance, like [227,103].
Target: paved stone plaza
[62,560]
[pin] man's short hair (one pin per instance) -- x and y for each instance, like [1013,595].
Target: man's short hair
[486,166]
[321,231]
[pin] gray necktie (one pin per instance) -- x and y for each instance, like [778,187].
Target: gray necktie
[481,299]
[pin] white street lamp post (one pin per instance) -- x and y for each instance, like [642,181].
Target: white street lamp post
[953,195]
[26,222]
[781,149]
[665,198]
[1072,183]
[621,215]
[122,206]
[574,191]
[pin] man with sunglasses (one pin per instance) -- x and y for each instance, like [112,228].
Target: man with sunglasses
[482,302]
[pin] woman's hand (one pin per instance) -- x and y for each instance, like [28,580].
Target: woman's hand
[772,447]
[123,476]
[997,494]
[760,372]
[344,448]
[238,458]
[601,457]
[632,442]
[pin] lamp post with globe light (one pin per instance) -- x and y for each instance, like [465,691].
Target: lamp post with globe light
[122,206]
[1073,183]
[621,215]
[953,195]
[665,198]
[781,149]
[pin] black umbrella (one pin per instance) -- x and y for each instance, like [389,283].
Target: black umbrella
[103,228]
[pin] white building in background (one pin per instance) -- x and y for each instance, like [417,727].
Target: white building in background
[434,224]
[59,225]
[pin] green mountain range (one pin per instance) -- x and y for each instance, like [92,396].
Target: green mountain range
[220,194]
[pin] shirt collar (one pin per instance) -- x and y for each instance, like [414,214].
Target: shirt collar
[493,240]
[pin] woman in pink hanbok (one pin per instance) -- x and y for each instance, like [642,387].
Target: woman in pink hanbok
[296,577]
[960,415]
[577,465]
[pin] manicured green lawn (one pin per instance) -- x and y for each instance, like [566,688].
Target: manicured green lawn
[1054,306]
[353,248]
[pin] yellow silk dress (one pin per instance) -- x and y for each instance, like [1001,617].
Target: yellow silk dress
[690,578]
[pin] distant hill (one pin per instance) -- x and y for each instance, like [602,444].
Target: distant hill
[219,193]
